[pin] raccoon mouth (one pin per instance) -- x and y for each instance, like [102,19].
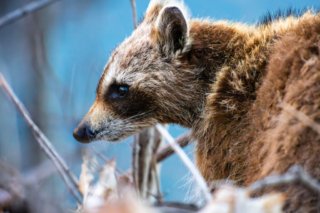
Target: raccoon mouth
[107,135]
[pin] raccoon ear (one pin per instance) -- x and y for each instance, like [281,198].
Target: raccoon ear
[172,30]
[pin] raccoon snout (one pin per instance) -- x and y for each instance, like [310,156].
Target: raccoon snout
[83,133]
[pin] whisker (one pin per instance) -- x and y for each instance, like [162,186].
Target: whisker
[134,117]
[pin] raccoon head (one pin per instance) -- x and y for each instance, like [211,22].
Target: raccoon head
[146,80]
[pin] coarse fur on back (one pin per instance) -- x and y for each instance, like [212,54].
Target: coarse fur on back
[231,83]
[271,17]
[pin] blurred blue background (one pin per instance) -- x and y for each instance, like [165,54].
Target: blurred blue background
[53,59]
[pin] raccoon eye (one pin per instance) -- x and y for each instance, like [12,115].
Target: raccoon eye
[118,91]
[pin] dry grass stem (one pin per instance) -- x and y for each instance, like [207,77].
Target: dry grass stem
[185,159]
[134,13]
[167,151]
[294,174]
[23,11]
[44,142]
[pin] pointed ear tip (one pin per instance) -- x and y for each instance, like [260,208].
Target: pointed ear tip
[173,10]
[179,9]
[156,7]
[173,14]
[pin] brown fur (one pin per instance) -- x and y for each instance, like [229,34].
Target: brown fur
[230,84]
[246,134]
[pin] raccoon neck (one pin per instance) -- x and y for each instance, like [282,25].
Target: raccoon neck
[214,46]
[228,61]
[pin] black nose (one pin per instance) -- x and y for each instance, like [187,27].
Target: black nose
[83,133]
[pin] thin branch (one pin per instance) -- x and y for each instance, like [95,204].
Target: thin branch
[167,151]
[185,159]
[156,174]
[134,13]
[302,117]
[147,142]
[135,162]
[45,169]
[294,175]
[145,146]
[23,11]
[44,142]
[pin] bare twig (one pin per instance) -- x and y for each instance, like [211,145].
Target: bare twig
[145,145]
[44,142]
[302,117]
[185,159]
[134,13]
[295,174]
[23,11]
[167,151]
[135,161]
[147,141]
[45,169]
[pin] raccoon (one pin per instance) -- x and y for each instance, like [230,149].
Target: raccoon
[228,82]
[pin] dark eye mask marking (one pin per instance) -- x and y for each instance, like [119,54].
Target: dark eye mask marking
[126,101]
[117,92]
